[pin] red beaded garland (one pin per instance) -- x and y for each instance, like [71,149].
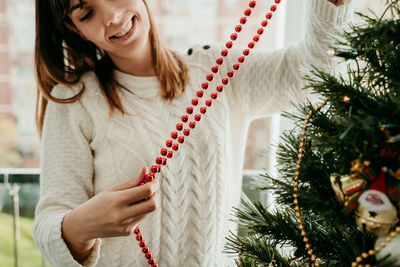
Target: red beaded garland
[241,59]
[236,66]
[158,160]
[142,244]
[151,261]
[187,131]
[220,61]
[205,85]
[234,36]
[256,38]
[170,154]
[164,161]
[247,12]
[238,28]
[153,169]
[220,88]
[260,31]
[214,69]
[192,124]
[137,230]
[154,265]
[252,4]
[174,135]
[164,152]
[195,102]
[209,103]
[224,53]
[148,178]
[243,20]
[264,23]
[184,118]
[200,93]
[273,8]
[251,45]
[139,237]
[189,110]
[225,81]
[213,96]
[197,117]
[148,255]
[145,249]
[179,126]
[203,110]
[181,139]
[269,16]
[229,44]
[175,147]
[230,74]
[246,52]
[169,143]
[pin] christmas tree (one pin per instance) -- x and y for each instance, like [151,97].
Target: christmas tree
[338,188]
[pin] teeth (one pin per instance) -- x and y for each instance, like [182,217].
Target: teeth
[127,29]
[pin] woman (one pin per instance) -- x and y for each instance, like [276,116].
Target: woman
[109,95]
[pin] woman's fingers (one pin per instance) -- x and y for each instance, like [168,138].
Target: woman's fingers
[139,209]
[138,193]
[132,182]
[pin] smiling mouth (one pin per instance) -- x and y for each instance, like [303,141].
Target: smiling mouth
[126,30]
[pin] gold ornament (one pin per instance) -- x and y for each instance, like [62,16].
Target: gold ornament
[346,186]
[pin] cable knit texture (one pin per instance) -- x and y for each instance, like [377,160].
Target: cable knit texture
[85,152]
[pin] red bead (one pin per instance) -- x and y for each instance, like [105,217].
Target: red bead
[181,139]
[225,81]
[241,59]
[247,12]
[174,135]
[150,261]
[175,147]
[268,16]
[139,237]
[246,52]
[229,44]
[158,160]
[142,244]
[243,20]
[142,183]
[256,38]
[208,103]
[214,69]
[179,126]
[264,23]
[148,255]
[230,74]
[224,53]
[251,45]
[158,168]
[234,36]
[164,161]
[236,66]
[137,230]
[189,110]
[200,94]
[170,154]
[154,265]
[238,28]
[213,96]
[220,61]
[252,4]
[187,131]
[220,88]
[277,1]
[203,110]
[145,249]
[153,169]
[148,178]
[195,102]
[184,118]
[197,117]
[192,124]
[164,152]
[273,8]
[169,143]
[260,31]
[205,85]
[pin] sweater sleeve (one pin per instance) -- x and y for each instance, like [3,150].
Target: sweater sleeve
[269,81]
[66,177]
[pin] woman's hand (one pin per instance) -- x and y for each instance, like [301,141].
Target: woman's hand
[338,2]
[111,213]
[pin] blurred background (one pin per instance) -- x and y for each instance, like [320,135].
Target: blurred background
[181,24]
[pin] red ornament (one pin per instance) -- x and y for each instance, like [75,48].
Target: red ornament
[260,31]
[268,16]
[224,53]
[153,169]
[230,74]
[142,183]
[241,59]
[236,66]
[148,255]
[264,23]
[189,110]
[145,249]
[225,81]
[137,230]
[175,147]
[181,139]
[208,103]
[200,94]
[151,261]
[197,117]
[170,154]
[164,152]
[158,160]
[186,132]
[238,28]
[252,4]
[213,96]
[154,265]
[148,178]
[203,110]
[192,124]
[229,44]
[251,45]
[220,88]
[243,20]
[179,126]
[174,135]
[214,69]
[234,36]
[142,244]
[169,143]
[246,52]
[277,1]
[273,8]
[247,12]
[256,38]
[195,102]
[220,61]
[164,161]
[184,118]
[205,84]
[139,237]
[158,168]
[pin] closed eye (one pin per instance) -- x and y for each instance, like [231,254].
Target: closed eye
[88,15]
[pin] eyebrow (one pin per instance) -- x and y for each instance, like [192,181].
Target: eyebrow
[80,5]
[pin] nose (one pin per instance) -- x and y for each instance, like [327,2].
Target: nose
[111,14]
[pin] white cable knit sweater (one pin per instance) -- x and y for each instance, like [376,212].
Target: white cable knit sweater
[84,152]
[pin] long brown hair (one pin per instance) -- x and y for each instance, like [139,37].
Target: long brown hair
[62,56]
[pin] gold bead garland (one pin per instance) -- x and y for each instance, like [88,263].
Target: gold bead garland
[240,259]
[300,154]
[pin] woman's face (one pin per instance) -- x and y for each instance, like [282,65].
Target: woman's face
[119,27]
